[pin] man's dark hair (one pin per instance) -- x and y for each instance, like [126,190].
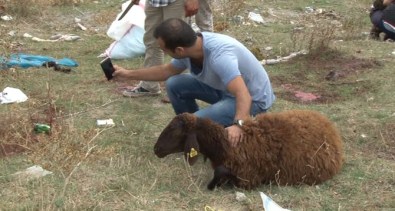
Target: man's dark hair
[175,33]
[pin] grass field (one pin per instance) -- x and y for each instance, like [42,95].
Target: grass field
[114,168]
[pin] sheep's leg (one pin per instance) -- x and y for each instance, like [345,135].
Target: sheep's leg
[221,173]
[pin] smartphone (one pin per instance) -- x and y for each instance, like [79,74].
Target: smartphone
[107,67]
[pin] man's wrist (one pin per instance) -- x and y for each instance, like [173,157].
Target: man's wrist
[238,122]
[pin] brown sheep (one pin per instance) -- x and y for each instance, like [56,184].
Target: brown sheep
[286,148]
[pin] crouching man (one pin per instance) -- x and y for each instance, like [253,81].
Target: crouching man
[382,16]
[223,73]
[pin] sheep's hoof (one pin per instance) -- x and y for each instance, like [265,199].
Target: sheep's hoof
[211,185]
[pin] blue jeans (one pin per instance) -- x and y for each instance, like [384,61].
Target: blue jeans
[183,90]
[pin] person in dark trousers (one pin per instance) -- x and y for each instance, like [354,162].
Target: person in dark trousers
[382,16]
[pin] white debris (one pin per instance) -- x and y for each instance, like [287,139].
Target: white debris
[240,196]
[308,9]
[12,95]
[283,59]
[6,18]
[255,17]
[55,38]
[12,33]
[268,48]
[105,122]
[33,172]
[269,204]
[81,27]
[26,35]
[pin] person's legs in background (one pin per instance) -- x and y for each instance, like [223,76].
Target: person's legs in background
[153,54]
[375,18]
[383,21]
[388,22]
[204,17]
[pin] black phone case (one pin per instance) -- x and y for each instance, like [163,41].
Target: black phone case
[107,67]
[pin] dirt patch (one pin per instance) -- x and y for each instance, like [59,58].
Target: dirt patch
[319,79]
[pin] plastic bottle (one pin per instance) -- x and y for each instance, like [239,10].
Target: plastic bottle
[42,128]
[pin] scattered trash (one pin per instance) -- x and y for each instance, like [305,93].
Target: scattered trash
[240,196]
[269,204]
[12,95]
[33,172]
[30,60]
[255,17]
[105,122]
[364,136]
[130,46]
[128,34]
[81,27]
[6,18]
[56,67]
[55,38]
[12,33]
[268,48]
[78,22]
[393,52]
[308,9]
[42,128]
[283,59]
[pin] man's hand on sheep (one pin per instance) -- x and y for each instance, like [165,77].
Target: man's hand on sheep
[235,135]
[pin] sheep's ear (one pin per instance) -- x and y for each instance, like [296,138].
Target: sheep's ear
[191,150]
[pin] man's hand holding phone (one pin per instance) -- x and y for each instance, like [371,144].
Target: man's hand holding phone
[107,68]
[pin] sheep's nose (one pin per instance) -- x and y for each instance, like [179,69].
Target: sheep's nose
[156,149]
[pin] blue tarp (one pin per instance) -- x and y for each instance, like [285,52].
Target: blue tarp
[29,60]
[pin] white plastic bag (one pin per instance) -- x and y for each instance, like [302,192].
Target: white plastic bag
[134,17]
[130,46]
[12,95]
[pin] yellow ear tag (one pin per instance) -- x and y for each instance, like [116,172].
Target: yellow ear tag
[193,153]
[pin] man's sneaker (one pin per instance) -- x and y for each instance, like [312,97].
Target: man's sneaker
[139,91]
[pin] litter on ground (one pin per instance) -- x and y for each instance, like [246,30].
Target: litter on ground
[33,172]
[12,95]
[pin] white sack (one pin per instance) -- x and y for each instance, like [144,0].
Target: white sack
[134,17]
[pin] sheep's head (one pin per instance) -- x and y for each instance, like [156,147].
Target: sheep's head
[179,136]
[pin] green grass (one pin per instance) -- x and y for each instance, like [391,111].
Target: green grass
[115,168]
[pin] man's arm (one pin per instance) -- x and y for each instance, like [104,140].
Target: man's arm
[191,7]
[238,88]
[154,73]
[387,2]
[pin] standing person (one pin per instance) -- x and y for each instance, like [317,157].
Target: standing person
[223,73]
[204,17]
[382,16]
[157,11]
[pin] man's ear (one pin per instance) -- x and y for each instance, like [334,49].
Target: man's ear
[180,51]
[191,150]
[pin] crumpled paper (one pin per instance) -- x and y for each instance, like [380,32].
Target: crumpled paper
[12,95]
